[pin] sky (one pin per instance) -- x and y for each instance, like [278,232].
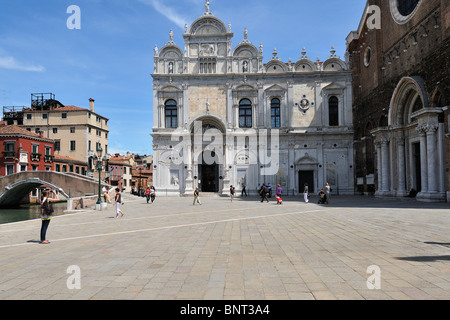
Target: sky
[110,57]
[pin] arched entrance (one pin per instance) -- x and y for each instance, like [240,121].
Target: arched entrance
[208,145]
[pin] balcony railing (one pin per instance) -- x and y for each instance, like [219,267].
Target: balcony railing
[35,157]
[48,158]
[9,154]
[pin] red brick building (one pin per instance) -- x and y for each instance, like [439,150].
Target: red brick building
[400,57]
[22,150]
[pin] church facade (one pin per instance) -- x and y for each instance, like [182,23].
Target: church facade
[401,85]
[223,117]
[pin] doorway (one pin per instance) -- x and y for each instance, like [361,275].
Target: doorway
[208,174]
[306,177]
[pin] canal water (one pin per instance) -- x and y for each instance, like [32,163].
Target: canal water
[28,212]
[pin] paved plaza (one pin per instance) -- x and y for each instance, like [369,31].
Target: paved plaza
[245,249]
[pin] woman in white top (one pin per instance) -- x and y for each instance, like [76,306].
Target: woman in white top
[328,192]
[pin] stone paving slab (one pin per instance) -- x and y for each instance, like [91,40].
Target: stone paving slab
[245,249]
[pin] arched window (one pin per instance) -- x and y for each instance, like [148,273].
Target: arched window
[171,114]
[245,113]
[333,111]
[275,113]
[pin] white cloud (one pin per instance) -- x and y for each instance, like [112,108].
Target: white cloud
[167,12]
[13,64]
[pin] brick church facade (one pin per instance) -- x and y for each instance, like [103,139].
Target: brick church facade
[401,88]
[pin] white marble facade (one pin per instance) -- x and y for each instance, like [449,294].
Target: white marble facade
[277,122]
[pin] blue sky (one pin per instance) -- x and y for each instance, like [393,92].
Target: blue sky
[110,58]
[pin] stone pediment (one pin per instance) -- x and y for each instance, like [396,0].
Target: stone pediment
[307,159]
[245,87]
[275,88]
[334,86]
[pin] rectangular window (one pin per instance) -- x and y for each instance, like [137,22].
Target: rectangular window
[9,146]
[64,115]
[72,129]
[55,130]
[23,167]
[275,113]
[64,168]
[57,145]
[34,167]
[35,148]
[71,168]
[9,169]
[72,145]
[77,170]
[29,116]
[57,167]
[45,116]
[48,151]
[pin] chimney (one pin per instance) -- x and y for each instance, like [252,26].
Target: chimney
[91,104]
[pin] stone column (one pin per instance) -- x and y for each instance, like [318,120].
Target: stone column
[431,157]
[441,153]
[423,158]
[379,169]
[401,190]
[384,165]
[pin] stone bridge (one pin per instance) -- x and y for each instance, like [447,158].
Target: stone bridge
[15,187]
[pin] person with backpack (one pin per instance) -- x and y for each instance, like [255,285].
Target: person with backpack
[264,192]
[232,191]
[46,213]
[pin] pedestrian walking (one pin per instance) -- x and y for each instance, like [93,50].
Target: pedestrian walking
[306,193]
[263,193]
[147,194]
[232,191]
[328,192]
[196,196]
[118,202]
[243,190]
[152,193]
[46,213]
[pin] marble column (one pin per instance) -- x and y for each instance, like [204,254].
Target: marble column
[423,158]
[379,169]
[431,157]
[401,190]
[384,165]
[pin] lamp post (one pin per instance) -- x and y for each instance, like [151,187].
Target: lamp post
[98,166]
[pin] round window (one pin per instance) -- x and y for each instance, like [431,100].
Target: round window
[403,10]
